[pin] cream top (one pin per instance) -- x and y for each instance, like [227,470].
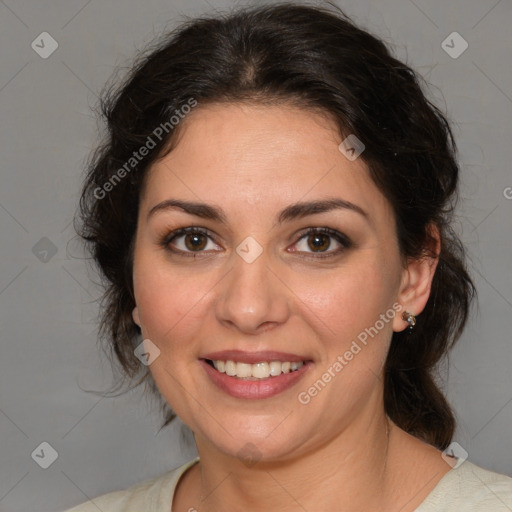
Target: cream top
[466,488]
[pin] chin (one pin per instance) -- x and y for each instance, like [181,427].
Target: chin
[257,440]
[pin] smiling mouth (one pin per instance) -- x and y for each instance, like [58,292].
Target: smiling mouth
[257,371]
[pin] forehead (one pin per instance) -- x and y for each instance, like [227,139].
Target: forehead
[265,157]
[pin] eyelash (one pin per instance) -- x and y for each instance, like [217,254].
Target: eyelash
[342,239]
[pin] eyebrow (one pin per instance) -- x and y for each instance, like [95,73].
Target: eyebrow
[291,212]
[303,209]
[202,210]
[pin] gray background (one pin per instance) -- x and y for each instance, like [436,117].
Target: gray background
[48,345]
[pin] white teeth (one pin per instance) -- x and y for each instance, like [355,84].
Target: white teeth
[230,368]
[243,370]
[275,368]
[262,370]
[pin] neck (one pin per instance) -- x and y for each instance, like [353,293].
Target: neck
[349,469]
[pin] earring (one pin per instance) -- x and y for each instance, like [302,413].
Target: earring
[410,319]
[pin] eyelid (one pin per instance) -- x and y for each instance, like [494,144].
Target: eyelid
[341,238]
[167,238]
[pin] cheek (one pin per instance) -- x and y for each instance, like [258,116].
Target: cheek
[169,301]
[348,300]
[344,312]
[172,309]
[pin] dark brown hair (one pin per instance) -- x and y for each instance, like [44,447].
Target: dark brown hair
[320,60]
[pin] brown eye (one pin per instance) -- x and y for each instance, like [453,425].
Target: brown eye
[322,242]
[195,241]
[319,242]
[189,240]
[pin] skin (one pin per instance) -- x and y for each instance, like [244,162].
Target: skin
[334,453]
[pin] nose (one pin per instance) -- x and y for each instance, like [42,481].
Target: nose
[252,298]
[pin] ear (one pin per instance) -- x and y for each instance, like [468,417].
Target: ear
[135,315]
[417,280]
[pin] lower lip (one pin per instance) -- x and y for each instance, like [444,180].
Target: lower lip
[264,388]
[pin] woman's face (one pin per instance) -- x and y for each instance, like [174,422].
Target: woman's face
[289,259]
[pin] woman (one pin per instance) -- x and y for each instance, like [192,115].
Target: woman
[272,213]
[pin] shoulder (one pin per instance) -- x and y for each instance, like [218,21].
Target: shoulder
[470,488]
[152,495]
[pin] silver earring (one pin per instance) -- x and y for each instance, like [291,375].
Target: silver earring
[410,319]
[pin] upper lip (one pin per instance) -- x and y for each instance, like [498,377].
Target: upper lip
[253,357]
